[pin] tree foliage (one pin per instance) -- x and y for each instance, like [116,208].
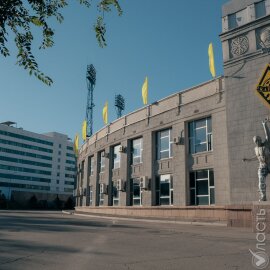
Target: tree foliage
[19,16]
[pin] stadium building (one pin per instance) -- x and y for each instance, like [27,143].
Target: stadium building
[182,156]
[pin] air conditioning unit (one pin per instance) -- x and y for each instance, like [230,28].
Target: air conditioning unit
[103,188]
[120,185]
[122,148]
[144,182]
[178,140]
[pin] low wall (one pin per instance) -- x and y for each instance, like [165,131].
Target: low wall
[203,213]
[232,215]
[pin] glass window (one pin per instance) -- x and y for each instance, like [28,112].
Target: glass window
[137,148]
[101,197]
[116,194]
[23,145]
[164,144]
[260,10]
[25,161]
[136,192]
[237,19]
[82,170]
[23,137]
[165,190]
[202,189]
[102,161]
[232,21]
[90,195]
[91,165]
[200,135]
[116,156]
[22,153]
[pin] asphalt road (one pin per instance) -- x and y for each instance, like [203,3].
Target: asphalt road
[55,241]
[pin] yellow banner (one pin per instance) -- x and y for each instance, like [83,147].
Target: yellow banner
[211,60]
[84,130]
[105,113]
[145,91]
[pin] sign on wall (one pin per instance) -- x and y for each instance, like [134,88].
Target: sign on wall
[263,87]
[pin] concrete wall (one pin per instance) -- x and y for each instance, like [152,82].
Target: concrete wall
[245,111]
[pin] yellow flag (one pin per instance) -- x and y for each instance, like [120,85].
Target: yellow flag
[76,145]
[84,130]
[211,60]
[105,113]
[145,91]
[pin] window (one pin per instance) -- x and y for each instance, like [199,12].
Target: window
[90,195]
[102,161]
[164,190]
[25,161]
[22,169]
[59,152]
[82,170]
[25,186]
[260,10]
[91,165]
[200,135]
[58,167]
[58,174]
[69,190]
[27,146]
[116,156]
[137,148]
[101,197]
[60,146]
[23,137]
[136,192]
[21,153]
[164,144]
[237,19]
[69,183]
[59,159]
[26,178]
[116,194]
[57,182]
[202,187]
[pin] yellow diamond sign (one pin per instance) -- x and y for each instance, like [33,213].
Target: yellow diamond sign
[263,87]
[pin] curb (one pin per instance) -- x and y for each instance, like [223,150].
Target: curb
[219,224]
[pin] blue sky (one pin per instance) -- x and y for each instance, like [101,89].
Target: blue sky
[164,40]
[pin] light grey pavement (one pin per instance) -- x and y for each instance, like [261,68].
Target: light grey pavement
[56,241]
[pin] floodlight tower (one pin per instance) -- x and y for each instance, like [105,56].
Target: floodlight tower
[119,105]
[91,82]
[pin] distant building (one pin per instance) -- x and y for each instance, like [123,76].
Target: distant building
[187,149]
[35,164]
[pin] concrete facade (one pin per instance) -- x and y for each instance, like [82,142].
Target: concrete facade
[234,112]
[175,112]
[245,111]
